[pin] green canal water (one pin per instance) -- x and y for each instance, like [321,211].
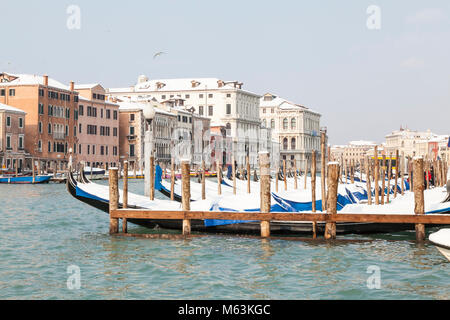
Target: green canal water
[44,231]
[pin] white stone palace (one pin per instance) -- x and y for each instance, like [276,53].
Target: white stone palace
[295,127]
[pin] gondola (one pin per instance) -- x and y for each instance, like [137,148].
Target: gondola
[250,227]
[39,179]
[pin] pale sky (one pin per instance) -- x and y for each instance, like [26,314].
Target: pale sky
[320,54]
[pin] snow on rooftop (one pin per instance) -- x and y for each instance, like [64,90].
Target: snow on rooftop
[4,107]
[185,84]
[86,86]
[362,143]
[32,79]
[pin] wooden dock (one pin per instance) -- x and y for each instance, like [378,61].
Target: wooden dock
[330,217]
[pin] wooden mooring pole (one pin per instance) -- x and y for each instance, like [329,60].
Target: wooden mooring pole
[333,181]
[323,172]
[152,177]
[233,168]
[125,195]
[113,199]
[203,180]
[419,202]
[219,178]
[247,159]
[376,176]
[186,194]
[264,164]
[172,180]
[295,175]
[313,190]
[368,186]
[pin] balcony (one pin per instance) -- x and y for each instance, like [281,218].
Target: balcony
[131,137]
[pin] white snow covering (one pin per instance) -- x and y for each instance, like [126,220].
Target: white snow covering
[441,237]
[4,107]
[32,79]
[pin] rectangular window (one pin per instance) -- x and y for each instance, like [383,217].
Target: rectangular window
[12,92]
[210,95]
[79,148]
[21,142]
[40,127]
[8,121]
[115,132]
[88,149]
[228,108]
[93,149]
[132,117]
[200,96]
[131,131]
[8,142]
[131,150]
[200,110]
[102,150]
[49,131]
[2,92]
[108,114]
[228,95]
[49,147]
[20,122]
[80,110]
[114,151]
[115,115]
[187,96]
[101,113]
[79,128]
[210,111]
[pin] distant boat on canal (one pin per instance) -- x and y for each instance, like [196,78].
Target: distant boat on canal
[25,179]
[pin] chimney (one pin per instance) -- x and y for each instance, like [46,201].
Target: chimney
[194,83]
[45,80]
[72,86]
[220,83]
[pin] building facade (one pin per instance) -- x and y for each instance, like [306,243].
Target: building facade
[51,116]
[294,127]
[12,139]
[98,127]
[416,143]
[223,102]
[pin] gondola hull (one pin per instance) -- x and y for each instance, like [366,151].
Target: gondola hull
[276,227]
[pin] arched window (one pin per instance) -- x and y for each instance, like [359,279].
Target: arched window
[285,123]
[272,123]
[293,145]
[285,144]
[293,123]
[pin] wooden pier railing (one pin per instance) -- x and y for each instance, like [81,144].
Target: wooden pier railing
[330,217]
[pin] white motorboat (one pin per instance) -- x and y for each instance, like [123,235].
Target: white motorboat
[441,240]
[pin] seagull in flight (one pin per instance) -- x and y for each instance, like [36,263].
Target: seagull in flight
[158,54]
